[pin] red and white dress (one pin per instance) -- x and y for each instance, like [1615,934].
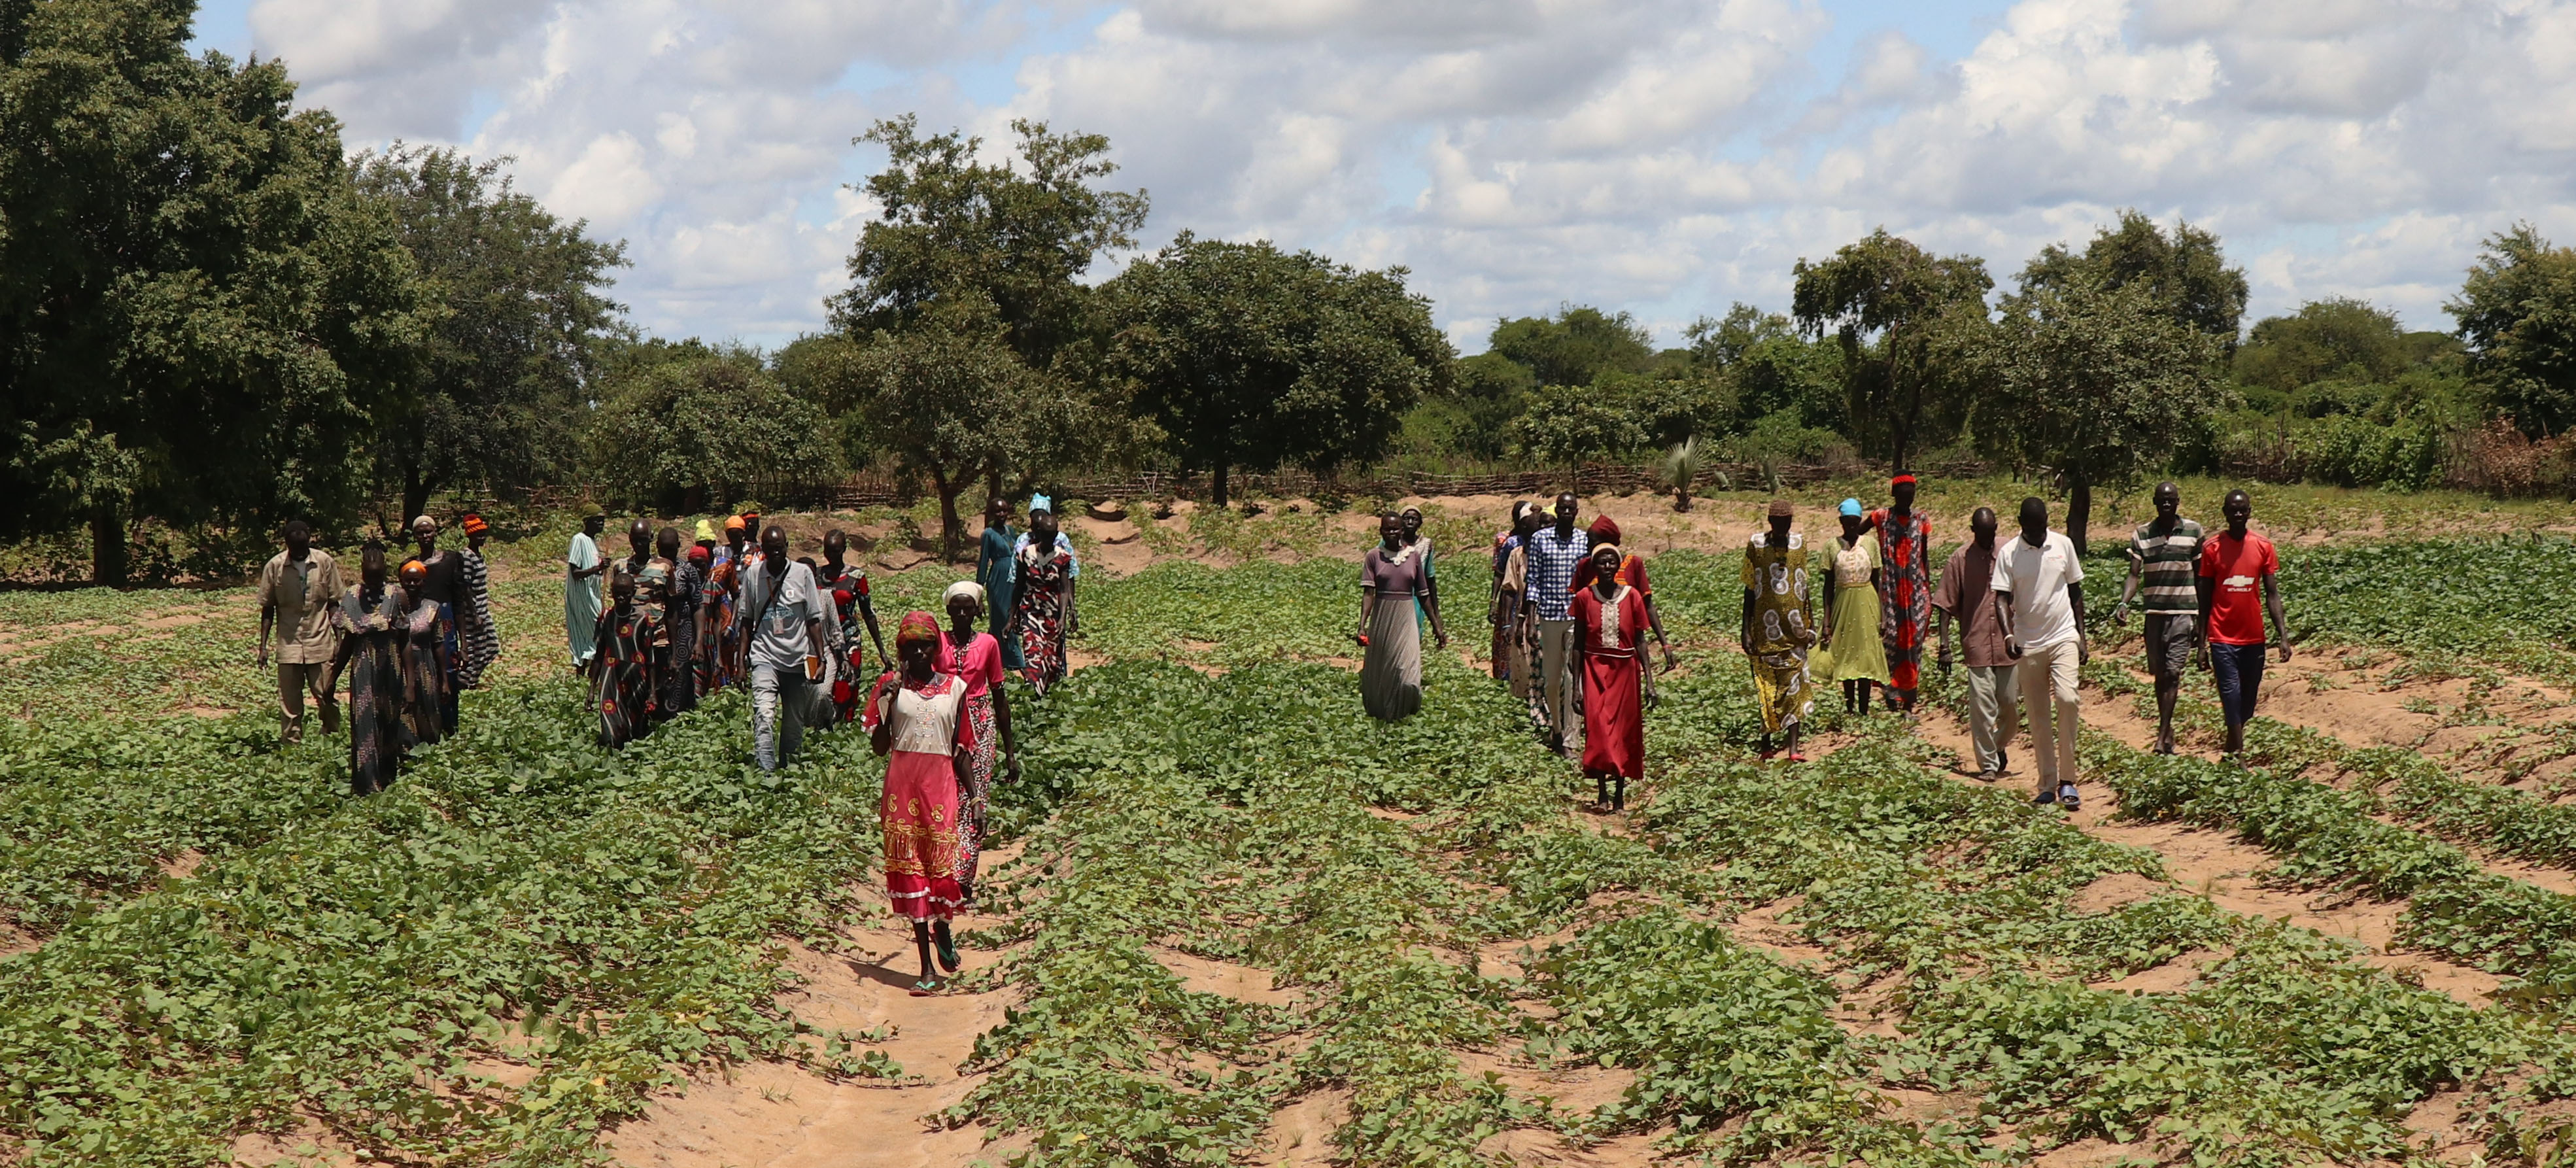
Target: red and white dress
[1614,712]
[919,813]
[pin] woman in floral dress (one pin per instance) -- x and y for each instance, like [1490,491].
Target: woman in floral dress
[424,659]
[915,719]
[975,658]
[621,672]
[1045,598]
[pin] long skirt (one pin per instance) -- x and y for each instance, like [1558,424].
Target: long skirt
[981,750]
[378,733]
[1391,674]
[1001,605]
[680,681]
[1856,652]
[1614,716]
[1780,685]
[425,713]
[918,816]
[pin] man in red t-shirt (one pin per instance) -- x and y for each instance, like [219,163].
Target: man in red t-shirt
[2236,591]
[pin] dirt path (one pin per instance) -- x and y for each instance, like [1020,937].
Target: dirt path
[2214,864]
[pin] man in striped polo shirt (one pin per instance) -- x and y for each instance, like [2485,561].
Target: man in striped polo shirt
[2164,556]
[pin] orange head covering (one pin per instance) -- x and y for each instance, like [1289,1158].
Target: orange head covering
[735,523]
[1604,529]
[917,626]
[473,524]
[414,573]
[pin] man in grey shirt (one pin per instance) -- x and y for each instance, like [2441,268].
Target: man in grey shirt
[784,626]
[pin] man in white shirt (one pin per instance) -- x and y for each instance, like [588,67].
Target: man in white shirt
[782,630]
[2039,601]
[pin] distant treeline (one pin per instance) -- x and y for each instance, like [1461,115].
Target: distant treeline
[212,319]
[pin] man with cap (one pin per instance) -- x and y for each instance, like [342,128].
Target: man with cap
[296,592]
[480,638]
[1905,588]
[582,568]
[1779,626]
[1553,553]
[2039,600]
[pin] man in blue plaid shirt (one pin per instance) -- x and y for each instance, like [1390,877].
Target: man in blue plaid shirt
[1553,554]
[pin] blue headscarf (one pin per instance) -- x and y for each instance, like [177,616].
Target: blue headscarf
[1851,507]
[1042,503]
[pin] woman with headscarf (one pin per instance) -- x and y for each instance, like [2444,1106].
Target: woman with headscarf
[1779,627]
[1511,578]
[1905,588]
[1044,596]
[1852,653]
[1607,616]
[442,585]
[997,569]
[1391,670]
[679,683]
[915,718]
[1412,517]
[706,554]
[424,659]
[1632,572]
[372,618]
[621,671]
[976,659]
[480,637]
[726,640]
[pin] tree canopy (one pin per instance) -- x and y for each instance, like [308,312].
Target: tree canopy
[517,311]
[2098,381]
[688,422]
[201,319]
[1245,354]
[2337,337]
[1912,327]
[2517,312]
[1575,346]
[2185,273]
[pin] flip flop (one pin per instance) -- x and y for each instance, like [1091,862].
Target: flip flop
[925,988]
[1795,756]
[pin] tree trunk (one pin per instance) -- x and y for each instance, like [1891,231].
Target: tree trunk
[949,543]
[107,550]
[415,495]
[2079,508]
[1220,484]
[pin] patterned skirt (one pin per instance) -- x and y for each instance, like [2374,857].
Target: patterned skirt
[918,817]
[1780,684]
[980,755]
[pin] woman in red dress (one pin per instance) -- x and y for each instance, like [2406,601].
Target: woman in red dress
[1608,618]
[914,718]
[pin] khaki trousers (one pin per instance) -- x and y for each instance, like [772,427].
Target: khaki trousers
[1994,713]
[2048,692]
[1558,686]
[294,680]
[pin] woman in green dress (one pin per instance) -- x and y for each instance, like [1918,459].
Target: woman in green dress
[997,569]
[1853,654]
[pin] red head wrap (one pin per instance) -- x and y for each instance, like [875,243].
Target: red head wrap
[917,626]
[474,525]
[1902,480]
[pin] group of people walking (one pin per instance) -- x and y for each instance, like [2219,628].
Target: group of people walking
[1572,610]
[408,640]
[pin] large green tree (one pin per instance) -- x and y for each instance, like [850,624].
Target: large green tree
[2336,337]
[947,404]
[2183,272]
[684,425]
[2517,313]
[1575,346]
[2100,382]
[201,318]
[520,310]
[970,244]
[1249,356]
[1913,328]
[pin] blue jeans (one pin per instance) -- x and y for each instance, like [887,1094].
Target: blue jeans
[2239,669]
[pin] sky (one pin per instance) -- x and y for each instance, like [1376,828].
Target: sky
[1665,158]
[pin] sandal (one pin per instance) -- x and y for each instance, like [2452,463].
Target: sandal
[926,987]
[948,959]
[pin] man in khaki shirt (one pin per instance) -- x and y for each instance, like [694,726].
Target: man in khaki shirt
[296,592]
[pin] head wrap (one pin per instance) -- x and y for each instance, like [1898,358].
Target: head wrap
[473,524]
[736,523]
[1851,507]
[1604,529]
[417,520]
[1612,548]
[963,588]
[706,532]
[1780,509]
[1042,503]
[698,555]
[1902,479]
[1520,507]
[1416,512]
[917,626]
[413,572]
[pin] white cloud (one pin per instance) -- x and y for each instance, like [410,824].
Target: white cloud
[1664,156]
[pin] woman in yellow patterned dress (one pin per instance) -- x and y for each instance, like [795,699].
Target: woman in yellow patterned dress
[1779,627]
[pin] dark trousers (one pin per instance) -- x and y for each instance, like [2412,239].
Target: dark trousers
[2239,670]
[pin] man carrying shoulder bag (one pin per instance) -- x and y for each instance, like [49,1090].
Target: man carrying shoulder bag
[785,650]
